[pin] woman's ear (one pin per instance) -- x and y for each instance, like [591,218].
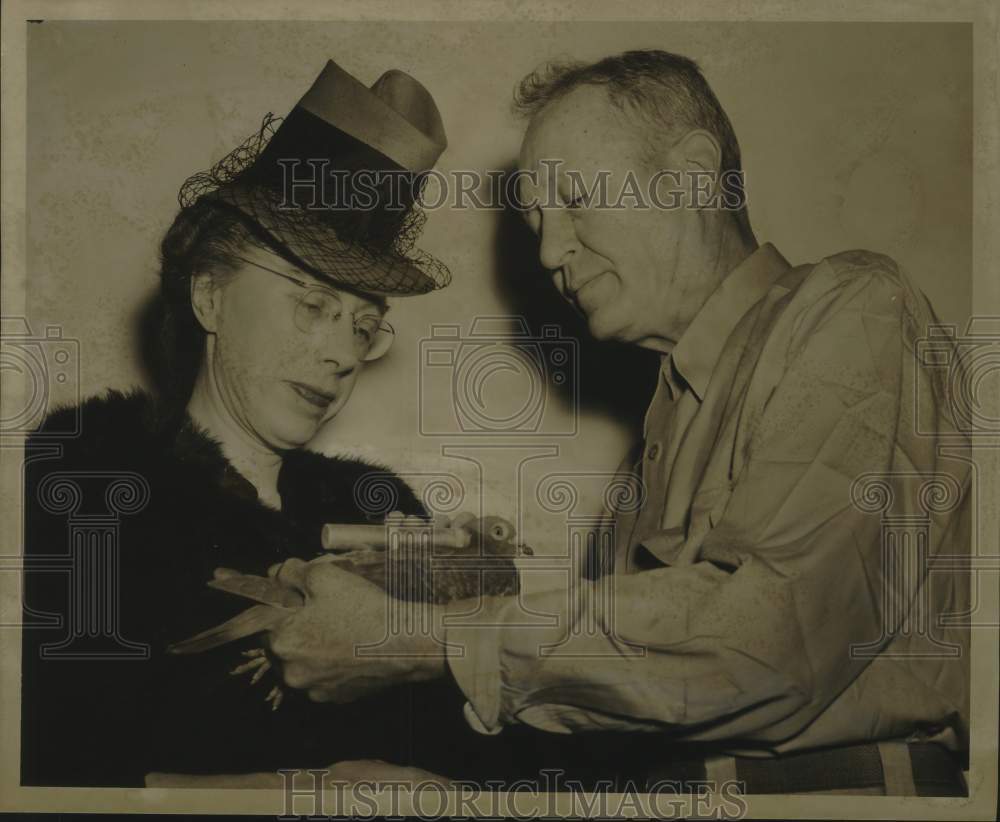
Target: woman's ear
[206,297]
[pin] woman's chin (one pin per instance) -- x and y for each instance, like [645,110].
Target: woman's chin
[296,425]
[291,433]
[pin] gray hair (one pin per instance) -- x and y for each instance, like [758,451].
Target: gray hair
[665,91]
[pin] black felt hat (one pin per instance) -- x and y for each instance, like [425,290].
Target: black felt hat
[336,183]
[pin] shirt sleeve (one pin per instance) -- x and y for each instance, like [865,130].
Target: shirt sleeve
[754,639]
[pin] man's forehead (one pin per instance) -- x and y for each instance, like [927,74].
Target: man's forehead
[577,127]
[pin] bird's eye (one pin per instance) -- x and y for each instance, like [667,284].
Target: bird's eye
[500,531]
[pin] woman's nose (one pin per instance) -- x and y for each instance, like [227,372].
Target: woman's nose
[339,345]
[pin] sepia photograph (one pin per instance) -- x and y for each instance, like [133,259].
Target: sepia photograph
[584,410]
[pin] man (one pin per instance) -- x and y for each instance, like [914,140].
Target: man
[761,605]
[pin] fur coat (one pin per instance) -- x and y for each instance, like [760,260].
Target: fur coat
[110,719]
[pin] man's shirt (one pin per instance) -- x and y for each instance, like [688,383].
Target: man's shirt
[800,472]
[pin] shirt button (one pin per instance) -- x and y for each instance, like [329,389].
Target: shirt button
[653,452]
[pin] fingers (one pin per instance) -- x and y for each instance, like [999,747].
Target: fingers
[343,691]
[463,519]
[401,520]
[291,572]
[460,520]
[354,548]
[225,573]
[325,576]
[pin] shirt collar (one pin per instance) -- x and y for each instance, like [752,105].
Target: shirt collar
[697,351]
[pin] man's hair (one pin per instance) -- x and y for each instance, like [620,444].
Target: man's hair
[667,92]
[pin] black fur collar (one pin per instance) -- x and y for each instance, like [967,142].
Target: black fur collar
[130,430]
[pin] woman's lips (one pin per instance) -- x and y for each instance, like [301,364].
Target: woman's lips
[314,396]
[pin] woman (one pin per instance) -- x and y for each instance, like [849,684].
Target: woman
[272,308]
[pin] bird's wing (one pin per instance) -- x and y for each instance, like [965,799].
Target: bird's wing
[251,621]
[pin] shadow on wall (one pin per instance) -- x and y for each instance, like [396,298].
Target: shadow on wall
[148,330]
[168,357]
[616,380]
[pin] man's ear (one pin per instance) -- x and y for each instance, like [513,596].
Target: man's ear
[699,155]
[205,300]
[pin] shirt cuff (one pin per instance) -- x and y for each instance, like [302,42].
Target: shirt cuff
[472,640]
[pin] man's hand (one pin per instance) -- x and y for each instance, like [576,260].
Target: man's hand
[318,647]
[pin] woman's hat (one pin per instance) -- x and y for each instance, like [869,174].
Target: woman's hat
[335,186]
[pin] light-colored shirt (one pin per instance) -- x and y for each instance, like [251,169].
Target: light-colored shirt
[801,468]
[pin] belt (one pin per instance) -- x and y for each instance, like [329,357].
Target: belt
[899,768]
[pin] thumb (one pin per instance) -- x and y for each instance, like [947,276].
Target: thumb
[324,575]
[290,573]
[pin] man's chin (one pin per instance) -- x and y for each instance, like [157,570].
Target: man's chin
[603,328]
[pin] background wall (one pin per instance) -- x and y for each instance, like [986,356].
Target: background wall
[852,136]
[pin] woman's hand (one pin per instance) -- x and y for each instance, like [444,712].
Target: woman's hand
[349,639]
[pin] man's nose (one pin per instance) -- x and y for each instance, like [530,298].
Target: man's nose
[558,238]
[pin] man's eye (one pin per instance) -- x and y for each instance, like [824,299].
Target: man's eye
[577,202]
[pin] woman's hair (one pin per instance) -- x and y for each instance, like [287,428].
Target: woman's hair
[204,237]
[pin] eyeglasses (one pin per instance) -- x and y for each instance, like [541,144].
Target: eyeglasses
[320,307]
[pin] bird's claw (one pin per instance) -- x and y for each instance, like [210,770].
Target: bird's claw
[275,696]
[259,664]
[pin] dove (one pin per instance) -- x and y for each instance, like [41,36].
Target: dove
[410,569]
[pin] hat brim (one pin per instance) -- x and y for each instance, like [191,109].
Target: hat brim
[326,255]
